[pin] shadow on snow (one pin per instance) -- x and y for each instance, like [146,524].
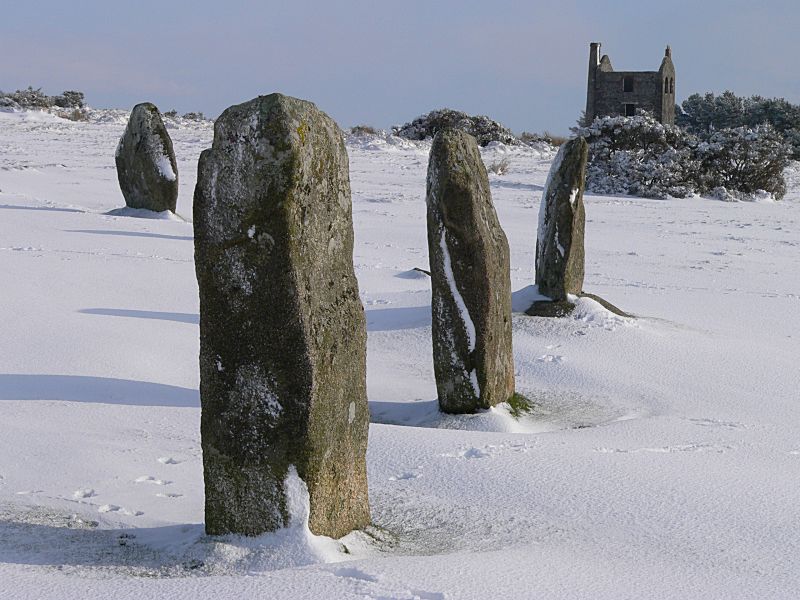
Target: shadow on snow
[381,319]
[190,318]
[146,234]
[100,390]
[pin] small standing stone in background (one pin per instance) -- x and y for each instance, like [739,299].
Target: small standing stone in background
[471,283]
[559,241]
[282,330]
[146,167]
[560,254]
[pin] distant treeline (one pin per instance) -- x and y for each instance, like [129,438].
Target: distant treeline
[36,98]
[706,113]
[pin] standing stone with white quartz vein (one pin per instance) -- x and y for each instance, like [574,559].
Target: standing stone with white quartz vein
[282,330]
[146,166]
[559,242]
[471,284]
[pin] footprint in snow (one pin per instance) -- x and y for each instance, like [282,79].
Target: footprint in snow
[84,493]
[469,453]
[151,479]
[373,587]
[161,495]
[113,508]
[715,423]
[550,358]
[490,450]
[414,474]
[353,573]
[718,448]
[168,460]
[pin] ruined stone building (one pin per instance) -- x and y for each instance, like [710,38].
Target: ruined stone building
[611,92]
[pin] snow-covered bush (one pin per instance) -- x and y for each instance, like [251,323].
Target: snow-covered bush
[639,156]
[69,99]
[31,98]
[743,161]
[706,113]
[7,104]
[36,99]
[483,128]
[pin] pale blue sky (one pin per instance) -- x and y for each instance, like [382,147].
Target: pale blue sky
[382,63]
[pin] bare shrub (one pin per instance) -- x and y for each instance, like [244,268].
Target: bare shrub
[499,167]
[76,114]
[555,140]
[363,130]
[526,137]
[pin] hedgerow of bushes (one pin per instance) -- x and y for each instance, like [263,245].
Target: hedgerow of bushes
[641,157]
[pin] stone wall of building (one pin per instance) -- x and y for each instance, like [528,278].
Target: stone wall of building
[608,95]
[611,97]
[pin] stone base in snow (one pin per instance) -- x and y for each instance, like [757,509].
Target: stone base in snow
[563,308]
[143,213]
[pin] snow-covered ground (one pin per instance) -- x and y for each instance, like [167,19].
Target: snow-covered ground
[662,459]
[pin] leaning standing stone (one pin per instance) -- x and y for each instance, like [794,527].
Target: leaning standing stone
[559,242]
[469,258]
[282,329]
[146,167]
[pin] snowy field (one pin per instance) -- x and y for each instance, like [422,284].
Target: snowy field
[662,459]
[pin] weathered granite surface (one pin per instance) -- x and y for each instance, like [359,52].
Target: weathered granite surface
[471,285]
[146,166]
[282,329]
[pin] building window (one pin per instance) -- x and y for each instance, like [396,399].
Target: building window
[627,84]
[671,85]
[666,85]
[630,110]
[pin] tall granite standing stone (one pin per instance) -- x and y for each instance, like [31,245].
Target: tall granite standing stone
[469,259]
[282,329]
[146,166]
[559,242]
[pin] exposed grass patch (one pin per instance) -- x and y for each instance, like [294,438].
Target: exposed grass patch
[519,405]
